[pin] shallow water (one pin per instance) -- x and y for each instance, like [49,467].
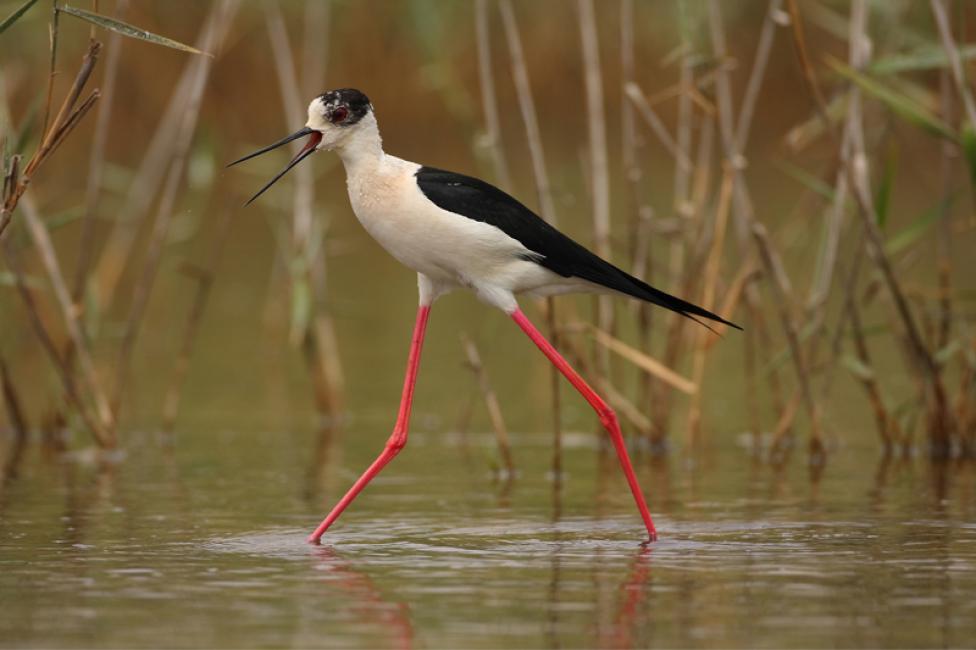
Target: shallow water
[204,546]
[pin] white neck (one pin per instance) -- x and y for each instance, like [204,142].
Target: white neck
[363,148]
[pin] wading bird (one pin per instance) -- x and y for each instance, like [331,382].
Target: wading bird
[459,232]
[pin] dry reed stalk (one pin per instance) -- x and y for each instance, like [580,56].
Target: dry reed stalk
[49,258]
[639,101]
[751,386]
[617,401]
[628,135]
[215,29]
[827,257]
[11,258]
[782,295]
[491,403]
[723,87]
[782,433]
[308,269]
[644,361]
[11,400]
[96,159]
[735,142]
[674,345]
[119,248]
[747,274]
[965,408]
[709,286]
[315,50]
[205,277]
[555,379]
[887,426]
[809,75]
[323,332]
[955,59]
[492,137]
[68,117]
[943,241]
[53,38]
[683,142]
[523,90]
[921,359]
[641,212]
[597,136]
[758,73]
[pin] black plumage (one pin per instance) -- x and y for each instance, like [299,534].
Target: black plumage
[481,201]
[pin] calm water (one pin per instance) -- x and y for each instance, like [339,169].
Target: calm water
[204,546]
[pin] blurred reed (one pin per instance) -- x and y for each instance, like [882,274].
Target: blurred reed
[707,238]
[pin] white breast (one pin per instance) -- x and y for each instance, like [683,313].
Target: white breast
[448,248]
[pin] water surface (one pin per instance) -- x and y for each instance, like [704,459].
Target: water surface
[203,546]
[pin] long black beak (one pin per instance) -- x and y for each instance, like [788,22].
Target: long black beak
[309,148]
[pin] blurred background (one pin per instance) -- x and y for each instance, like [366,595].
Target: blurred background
[419,63]
[805,168]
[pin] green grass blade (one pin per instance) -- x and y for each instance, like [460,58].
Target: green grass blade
[917,228]
[18,12]
[8,279]
[808,180]
[906,108]
[126,29]
[929,57]
[969,150]
[857,367]
[883,197]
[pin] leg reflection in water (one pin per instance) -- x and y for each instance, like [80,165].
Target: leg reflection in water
[365,601]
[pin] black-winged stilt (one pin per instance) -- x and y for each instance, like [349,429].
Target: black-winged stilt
[456,231]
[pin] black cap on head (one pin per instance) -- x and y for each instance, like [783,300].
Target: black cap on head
[345,106]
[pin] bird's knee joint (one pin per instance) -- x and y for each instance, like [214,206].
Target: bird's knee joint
[396,444]
[608,417]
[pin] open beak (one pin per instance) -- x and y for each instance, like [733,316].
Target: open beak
[315,137]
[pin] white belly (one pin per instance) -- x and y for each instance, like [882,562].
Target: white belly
[448,248]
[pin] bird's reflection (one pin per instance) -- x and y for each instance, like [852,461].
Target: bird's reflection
[366,602]
[631,609]
[325,458]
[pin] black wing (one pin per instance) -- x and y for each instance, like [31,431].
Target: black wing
[478,200]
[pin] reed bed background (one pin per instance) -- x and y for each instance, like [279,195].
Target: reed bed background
[805,168]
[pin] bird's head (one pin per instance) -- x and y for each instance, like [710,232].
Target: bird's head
[333,118]
[337,115]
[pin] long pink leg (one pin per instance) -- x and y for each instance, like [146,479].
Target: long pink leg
[398,439]
[607,417]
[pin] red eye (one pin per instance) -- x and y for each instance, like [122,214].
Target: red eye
[339,114]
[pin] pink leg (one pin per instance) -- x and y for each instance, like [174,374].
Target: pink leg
[607,417]
[398,439]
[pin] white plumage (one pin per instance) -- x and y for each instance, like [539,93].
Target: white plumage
[448,250]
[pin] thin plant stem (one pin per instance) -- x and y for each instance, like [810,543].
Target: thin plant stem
[205,278]
[492,139]
[316,332]
[71,390]
[523,89]
[96,159]
[492,404]
[757,74]
[781,295]
[11,400]
[42,240]
[710,274]
[955,59]
[214,31]
[52,72]
[599,164]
